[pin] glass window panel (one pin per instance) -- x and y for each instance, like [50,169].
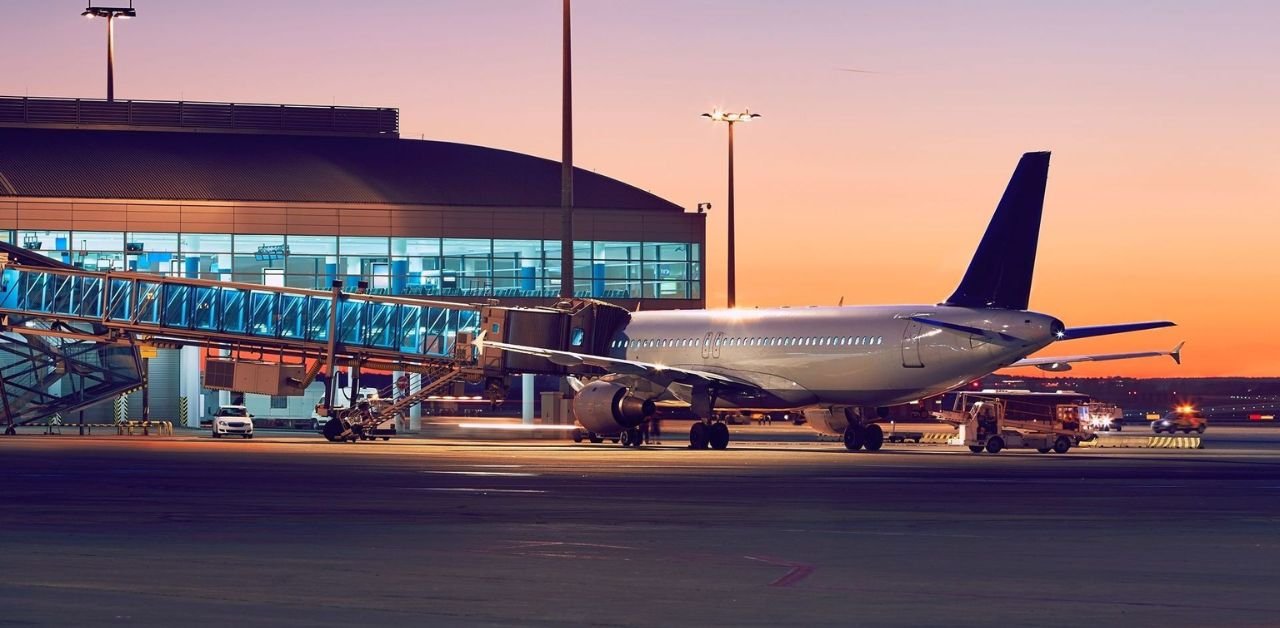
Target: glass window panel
[467,246]
[318,309]
[148,307]
[312,245]
[310,282]
[234,308]
[416,247]
[98,240]
[262,313]
[410,328]
[205,314]
[364,247]
[175,305]
[91,296]
[293,316]
[205,243]
[62,292]
[119,303]
[382,328]
[148,242]
[44,241]
[251,243]
[351,321]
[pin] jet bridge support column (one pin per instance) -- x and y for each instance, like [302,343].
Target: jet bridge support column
[189,383]
[526,398]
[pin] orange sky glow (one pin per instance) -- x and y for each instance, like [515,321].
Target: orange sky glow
[874,187]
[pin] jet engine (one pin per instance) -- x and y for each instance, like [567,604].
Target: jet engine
[608,408]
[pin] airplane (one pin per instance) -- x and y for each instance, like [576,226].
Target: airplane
[842,366]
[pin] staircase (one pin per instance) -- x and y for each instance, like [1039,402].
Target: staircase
[84,373]
[433,380]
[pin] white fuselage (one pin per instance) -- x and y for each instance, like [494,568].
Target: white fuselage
[829,356]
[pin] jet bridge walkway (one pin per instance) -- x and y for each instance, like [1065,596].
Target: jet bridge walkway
[69,338]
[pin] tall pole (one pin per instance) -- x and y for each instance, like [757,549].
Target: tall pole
[111,58]
[566,167]
[730,119]
[733,259]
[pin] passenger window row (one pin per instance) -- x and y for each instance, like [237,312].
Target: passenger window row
[769,341]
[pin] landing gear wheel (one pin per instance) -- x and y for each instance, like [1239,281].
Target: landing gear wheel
[248,436]
[718,435]
[595,439]
[854,437]
[1062,445]
[629,437]
[217,435]
[873,437]
[977,449]
[1044,450]
[10,431]
[699,436]
[995,445]
[577,436]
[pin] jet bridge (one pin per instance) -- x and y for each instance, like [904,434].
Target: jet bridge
[70,338]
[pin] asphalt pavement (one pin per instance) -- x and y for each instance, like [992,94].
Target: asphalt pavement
[289,529]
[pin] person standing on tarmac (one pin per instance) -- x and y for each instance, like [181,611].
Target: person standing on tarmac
[644,431]
[654,431]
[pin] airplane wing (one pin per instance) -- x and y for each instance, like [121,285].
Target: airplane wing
[1063,363]
[655,372]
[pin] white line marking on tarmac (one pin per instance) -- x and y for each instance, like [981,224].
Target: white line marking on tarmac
[487,474]
[460,489]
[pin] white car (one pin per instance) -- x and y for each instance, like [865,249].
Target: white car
[232,421]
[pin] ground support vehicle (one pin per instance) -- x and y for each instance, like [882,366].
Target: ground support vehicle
[983,425]
[359,423]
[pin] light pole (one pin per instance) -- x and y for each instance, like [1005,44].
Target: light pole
[566,162]
[111,13]
[730,119]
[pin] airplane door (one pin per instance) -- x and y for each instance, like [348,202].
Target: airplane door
[706,345]
[911,345]
[715,348]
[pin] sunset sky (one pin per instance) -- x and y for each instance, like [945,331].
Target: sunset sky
[1163,117]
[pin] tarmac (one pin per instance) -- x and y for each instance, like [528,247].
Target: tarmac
[782,528]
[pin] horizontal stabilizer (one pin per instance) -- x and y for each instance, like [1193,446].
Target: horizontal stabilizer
[1072,333]
[1063,363]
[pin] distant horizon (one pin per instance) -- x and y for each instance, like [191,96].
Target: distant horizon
[866,187]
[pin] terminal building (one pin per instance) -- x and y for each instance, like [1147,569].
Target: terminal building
[306,196]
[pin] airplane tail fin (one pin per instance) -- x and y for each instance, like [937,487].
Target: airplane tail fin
[999,275]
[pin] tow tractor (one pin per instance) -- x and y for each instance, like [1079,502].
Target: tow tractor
[983,425]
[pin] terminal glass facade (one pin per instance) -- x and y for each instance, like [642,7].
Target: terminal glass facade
[471,267]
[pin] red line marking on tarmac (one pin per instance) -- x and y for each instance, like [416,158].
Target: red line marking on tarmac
[798,572]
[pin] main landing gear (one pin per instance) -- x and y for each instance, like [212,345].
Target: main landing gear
[706,433]
[869,437]
[862,434]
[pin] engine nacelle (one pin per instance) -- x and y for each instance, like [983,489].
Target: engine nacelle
[606,408]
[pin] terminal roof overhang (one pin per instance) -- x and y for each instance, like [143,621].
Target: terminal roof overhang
[198,166]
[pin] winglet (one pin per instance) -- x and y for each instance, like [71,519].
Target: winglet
[478,341]
[1176,354]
